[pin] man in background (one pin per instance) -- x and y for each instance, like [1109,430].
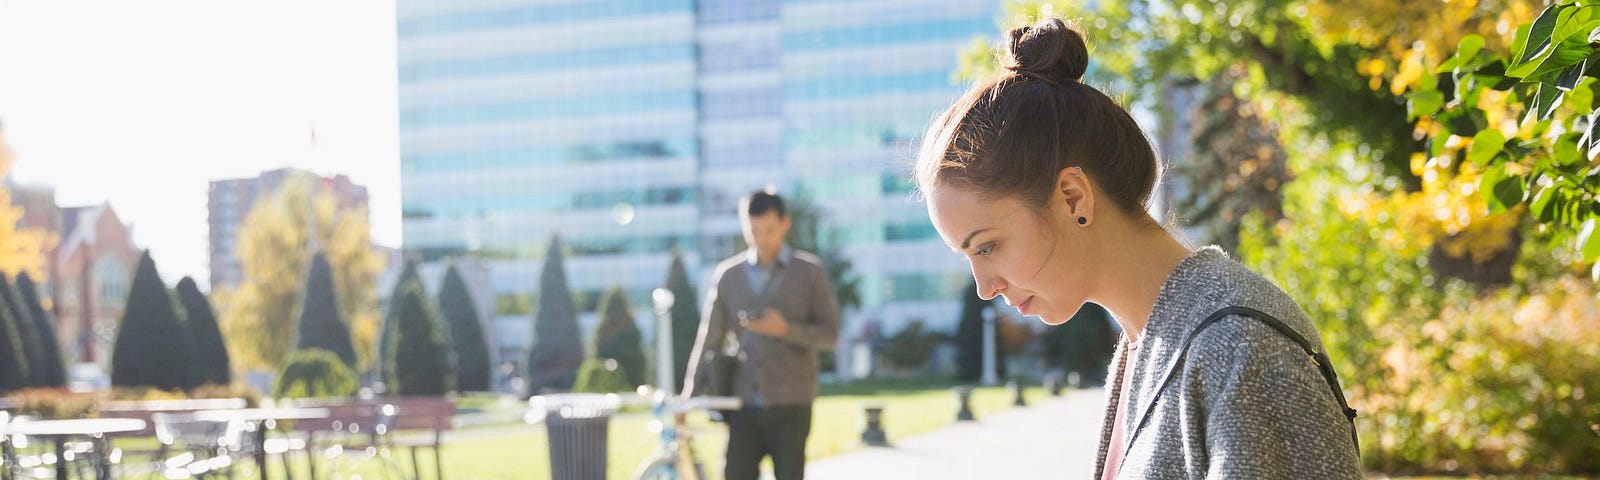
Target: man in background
[772,308]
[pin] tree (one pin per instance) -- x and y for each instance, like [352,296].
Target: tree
[54,370]
[210,351]
[684,315]
[21,249]
[557,346]
[601,375]
[969,339]
[14,373]
[391,315]
[1084,344]
[153,343]
[320,322]
[1342,75]
[466,333]
[618,336]
[1236,165]
[22,319]
[421,361]
[809,232]
[315,373]
[275,249]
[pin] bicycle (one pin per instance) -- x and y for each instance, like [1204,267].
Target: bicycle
[675,460]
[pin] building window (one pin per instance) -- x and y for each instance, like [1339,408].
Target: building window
[110,282]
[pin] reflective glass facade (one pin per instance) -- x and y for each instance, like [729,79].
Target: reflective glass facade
[632,127]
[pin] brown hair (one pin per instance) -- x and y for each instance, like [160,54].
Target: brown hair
[1012,134]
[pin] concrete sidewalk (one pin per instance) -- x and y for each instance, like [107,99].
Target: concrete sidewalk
[1052,438]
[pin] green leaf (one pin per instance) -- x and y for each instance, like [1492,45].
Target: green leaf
[1565,151]
[1466,50]
[1493,75]
[1581,98]
[1423,103]
[1464,122]
[1544,102]
[1500,190]
[1571,46]
[1569,76]
[1538,36]
[1484,145]
[1542,204]
[1469,46]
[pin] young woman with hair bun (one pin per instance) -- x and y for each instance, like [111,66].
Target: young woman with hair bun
[1042,183]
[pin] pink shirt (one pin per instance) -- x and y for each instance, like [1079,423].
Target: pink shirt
[1115,449]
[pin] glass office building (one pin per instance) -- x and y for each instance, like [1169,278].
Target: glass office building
[633,127]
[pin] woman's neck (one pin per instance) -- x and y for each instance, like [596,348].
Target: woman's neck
[1137,260]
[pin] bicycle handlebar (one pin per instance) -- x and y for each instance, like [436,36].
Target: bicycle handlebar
[594,404]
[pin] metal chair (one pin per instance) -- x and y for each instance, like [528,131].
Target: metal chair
[203,447]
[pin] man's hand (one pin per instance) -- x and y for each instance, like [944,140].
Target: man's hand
[771,323]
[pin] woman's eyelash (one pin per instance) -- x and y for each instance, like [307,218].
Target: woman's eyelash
[986,250]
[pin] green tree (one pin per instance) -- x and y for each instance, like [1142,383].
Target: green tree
[315,373]
[601,375]
[618,337]
[421,361]
[809,231]
[53,370]
[153,345]
[23,321]
[210,351]
[557,345]
[466,332]
[275,248]
[321,325]
[391,314]
[21,249]
[1236,164]
[14,373]
[685,315]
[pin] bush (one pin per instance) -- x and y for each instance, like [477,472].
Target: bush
[1448,379]
[49,359]
[601,375]
[55,404]
[315,373]
[618,338]
[322,326]
[252,398]
[910,347]
[154,347]
[557,345]
[421,361]
[211,351]
[466,333]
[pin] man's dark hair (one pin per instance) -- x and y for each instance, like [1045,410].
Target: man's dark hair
[760,202]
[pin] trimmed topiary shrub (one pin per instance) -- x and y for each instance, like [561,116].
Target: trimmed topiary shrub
[601,375]
[315,373]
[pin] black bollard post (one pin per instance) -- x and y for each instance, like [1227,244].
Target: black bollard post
[1016,388]
[964,399]
[1052,384]
[874,435]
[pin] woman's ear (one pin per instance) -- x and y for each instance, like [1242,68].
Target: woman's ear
[1075,194]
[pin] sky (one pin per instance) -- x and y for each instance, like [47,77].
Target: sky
[142,104]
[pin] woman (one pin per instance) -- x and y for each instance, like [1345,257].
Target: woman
[1041,182]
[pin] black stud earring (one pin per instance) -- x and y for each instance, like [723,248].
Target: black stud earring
[1083,221]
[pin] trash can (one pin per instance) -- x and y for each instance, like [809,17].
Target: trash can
[577,426]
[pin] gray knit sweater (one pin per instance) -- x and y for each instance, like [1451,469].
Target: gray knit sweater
[1247,402]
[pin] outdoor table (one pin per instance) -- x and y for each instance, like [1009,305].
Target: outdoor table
[59,431]
[263,419]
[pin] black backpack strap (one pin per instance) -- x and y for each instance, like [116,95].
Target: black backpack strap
[1318,357]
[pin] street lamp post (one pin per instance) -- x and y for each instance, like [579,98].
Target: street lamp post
[662,300]
[991,375]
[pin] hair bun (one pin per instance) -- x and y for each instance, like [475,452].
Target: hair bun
[1049,50]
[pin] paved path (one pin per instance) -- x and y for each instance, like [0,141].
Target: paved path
[1052,438]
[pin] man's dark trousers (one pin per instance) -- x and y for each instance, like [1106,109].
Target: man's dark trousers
[779,431]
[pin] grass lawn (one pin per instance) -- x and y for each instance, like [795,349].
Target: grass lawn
[522,451]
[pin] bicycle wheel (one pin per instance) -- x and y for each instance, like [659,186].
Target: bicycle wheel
[658,469]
